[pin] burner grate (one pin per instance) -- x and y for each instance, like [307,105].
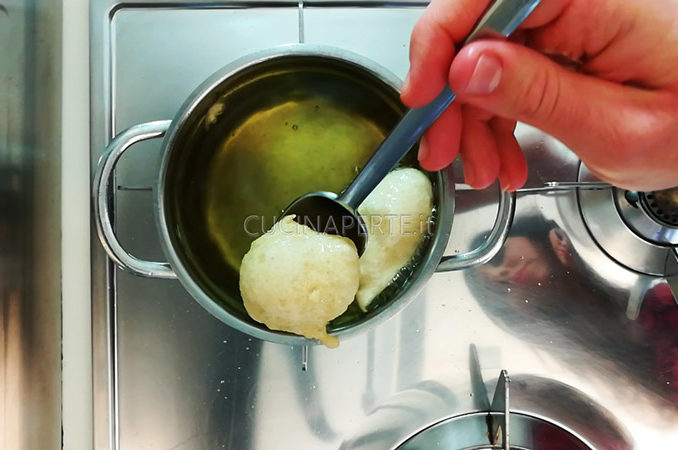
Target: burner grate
[662,206]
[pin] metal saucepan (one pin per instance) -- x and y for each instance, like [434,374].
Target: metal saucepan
[249,140]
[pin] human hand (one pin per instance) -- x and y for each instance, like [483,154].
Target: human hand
[614,103]
[562,247]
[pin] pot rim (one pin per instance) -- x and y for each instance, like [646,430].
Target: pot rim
[426,266]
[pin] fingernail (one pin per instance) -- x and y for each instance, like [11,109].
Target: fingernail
[486,75]
[423,149]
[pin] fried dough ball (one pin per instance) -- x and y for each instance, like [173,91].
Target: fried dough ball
[397,214]
[295,279]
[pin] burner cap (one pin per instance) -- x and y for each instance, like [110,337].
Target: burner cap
[662,206]
[649,215]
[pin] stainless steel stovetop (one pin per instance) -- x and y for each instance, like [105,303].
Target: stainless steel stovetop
[582,335]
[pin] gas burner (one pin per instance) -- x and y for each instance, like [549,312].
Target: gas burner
[464,432]
[636,229]
[662,205]
[468,431]
[653,216]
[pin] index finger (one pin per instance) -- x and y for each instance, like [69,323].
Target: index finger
[432,46]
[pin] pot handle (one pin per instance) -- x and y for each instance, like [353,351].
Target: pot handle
[103,200]
[494,242]
[673,280]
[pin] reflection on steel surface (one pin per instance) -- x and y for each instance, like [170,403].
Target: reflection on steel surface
[169,375]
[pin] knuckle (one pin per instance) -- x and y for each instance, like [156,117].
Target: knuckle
[541,97]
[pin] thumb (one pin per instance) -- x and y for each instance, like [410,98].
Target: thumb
[588,114]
